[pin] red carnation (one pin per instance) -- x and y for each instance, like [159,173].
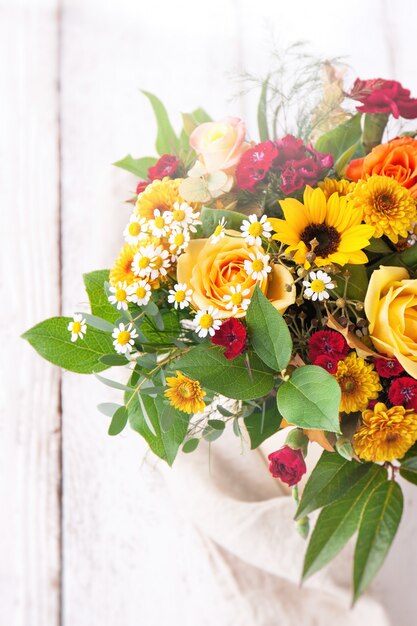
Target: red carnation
[288,465]
[299,165]
[166,166]
[255,165]
[141,186]
[403,392]
[384,96]
[328,343]
[232,336]
[290,149]
[387,368]
[327,362]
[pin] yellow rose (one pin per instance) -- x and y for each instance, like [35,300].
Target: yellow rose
[210,270]
[391,308]
[219,144]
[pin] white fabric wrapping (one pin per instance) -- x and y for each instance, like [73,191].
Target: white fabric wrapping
[256,554]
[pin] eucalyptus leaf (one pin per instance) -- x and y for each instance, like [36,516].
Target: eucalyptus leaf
[118,422]
[97,322]
[108,408]
[190,445]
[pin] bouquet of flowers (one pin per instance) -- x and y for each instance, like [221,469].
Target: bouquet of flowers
[279,275]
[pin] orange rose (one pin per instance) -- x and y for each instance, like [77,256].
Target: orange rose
[397,158]
[210,270]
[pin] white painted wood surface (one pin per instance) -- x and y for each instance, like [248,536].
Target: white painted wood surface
[112,548]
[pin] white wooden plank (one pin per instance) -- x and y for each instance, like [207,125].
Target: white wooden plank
[29,292]
[129,557]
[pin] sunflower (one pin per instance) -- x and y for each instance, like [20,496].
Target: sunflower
[330,227]
[358,382]
[161,195]
[386,205]
[385,434]
[330,185]
[185,394]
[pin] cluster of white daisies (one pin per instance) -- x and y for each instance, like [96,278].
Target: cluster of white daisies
[152,262]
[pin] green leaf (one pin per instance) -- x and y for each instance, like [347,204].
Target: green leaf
[163,444]
[332,477]
[171,328]
[262,424]
[262,112]
[216,424]
[339,139]
[410,475]
[379,522]
[138,167]
[190,445]
[342,162]
[357,285]
[114,359]
[97,322]
[211,217]
[379,246]
[118,422]
[166,142]
[270,336]
[338,522]
[190,121]
[52,340]
[100,306]
[114,384]
[108,408]
[310,399]
[207,364]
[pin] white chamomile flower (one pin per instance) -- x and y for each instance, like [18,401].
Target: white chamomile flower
[159,225]
[236,299]
[183,217]
[316,287]
[207,322]
[179,240]
[219,231]
[150,262]
[78,327]
[124,338]
[180,296]
[253,229]
[119,296]
[139,293]
[257,266]
[135,230]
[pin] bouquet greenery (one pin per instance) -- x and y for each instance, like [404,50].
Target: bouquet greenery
[281,275]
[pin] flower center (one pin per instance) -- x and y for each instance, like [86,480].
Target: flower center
[384,203]
[347,384]
[206,321]
[159,222]
[134,229]
[218,230]
[144,262]
[236,298]
[76,327]
[328,238]
[178,215]
[185,390]
[318,285]
[255,229]
[179,239]
[180,296]
[257,265]
[157,262]
[120,295]
[123,337]
[141,292]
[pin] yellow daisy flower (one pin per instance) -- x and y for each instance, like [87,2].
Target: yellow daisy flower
[387,206]
[358,382]
[330,227]
[185,394]
[330,185]
[162,195]
[121,271]
[385,434]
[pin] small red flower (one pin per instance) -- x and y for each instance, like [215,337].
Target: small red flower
[328,343]
[232,336]
[166,166]
[403,392]
[141,186]
[384,96]
[327,362]
[288,465]
[298,164]
[290,149]
[255,164]
[388,368]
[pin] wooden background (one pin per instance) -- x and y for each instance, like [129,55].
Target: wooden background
[88,532]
